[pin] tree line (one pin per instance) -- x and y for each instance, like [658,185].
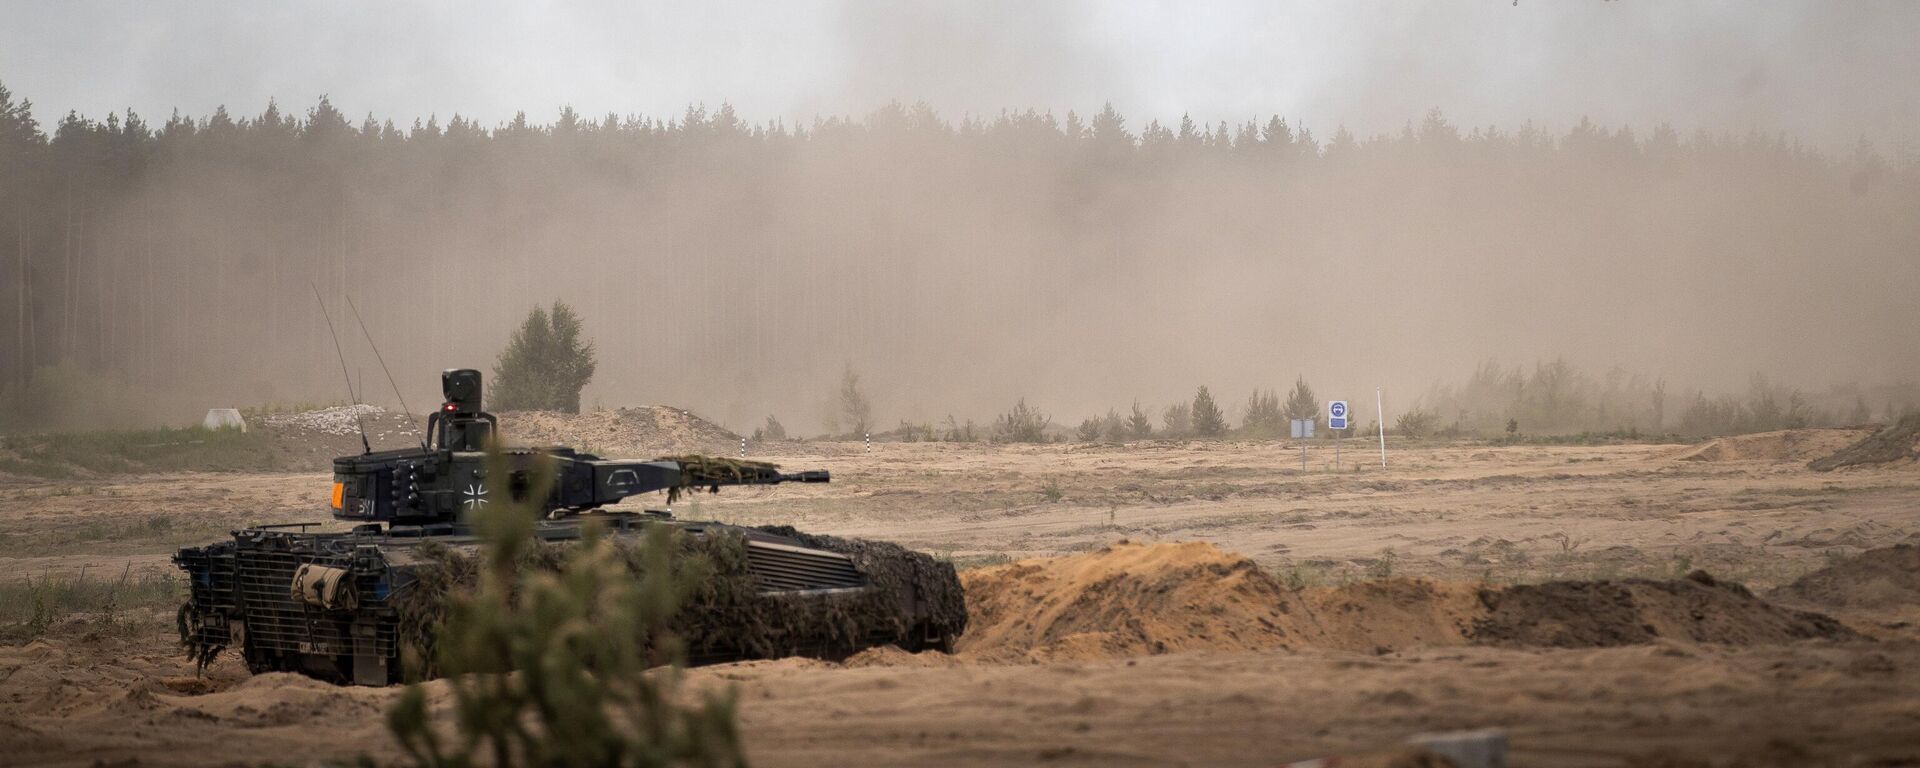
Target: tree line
[731,259]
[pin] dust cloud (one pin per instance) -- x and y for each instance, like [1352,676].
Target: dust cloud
[999,231]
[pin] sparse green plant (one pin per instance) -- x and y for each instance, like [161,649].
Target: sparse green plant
[958,432]
[772,430]
[1568,544]
[910,432]
[1023,424]
[1382,566]
[969,562]
[1052,491]
[31,606]
[552,668]
[1415,422]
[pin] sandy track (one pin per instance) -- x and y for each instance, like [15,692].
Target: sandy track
[1467,514]
[64,703]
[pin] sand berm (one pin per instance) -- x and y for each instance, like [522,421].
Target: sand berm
[1131,599]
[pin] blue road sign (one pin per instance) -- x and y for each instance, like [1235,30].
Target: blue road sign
[1337,414]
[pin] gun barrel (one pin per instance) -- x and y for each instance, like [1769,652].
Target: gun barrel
[809,476]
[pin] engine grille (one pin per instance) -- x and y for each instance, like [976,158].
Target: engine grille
[783,568]
[276,621]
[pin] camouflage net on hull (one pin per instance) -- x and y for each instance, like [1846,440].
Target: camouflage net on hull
[915,586]
[711,472]
[723,615]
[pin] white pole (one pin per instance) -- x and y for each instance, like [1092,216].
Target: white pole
[1380,417]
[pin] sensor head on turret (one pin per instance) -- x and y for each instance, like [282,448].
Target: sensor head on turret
[462,388]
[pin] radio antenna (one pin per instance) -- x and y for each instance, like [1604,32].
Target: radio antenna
[343,367]
[383,369]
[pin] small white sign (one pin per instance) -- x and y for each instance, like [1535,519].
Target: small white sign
[1302,428]
[1337,414]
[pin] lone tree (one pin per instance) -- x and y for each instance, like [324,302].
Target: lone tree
[1139,424]
[1301,403]
[545,364]
[851,407]
[1207,419]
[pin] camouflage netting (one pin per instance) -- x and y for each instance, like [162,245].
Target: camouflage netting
[723,615]
[906,579]
[711,472]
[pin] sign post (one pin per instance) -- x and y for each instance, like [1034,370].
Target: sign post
[1336,423]
[1303,431]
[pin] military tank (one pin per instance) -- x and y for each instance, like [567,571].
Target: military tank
[361,606]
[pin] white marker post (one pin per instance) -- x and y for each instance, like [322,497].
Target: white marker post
[1380,413]
[743,447]
[869,442]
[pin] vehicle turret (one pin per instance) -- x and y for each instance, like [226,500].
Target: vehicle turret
[446,479]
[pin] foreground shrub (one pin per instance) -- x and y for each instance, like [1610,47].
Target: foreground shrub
[579,642]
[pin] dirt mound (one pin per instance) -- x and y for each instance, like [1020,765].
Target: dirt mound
[309,440]
[645,431]
[1784,445]
[893,656]
[1875,580]
[1123,600]
[1136,599]
[1894,442]
[1589,614]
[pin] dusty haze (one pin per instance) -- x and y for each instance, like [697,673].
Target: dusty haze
[1720,215]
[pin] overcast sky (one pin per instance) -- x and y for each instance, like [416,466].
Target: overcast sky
[1825,71]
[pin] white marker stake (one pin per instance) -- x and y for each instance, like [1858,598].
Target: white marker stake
[869,442]
[1380,413]
[743,447]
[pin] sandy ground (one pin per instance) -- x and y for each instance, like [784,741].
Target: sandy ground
[1458,515]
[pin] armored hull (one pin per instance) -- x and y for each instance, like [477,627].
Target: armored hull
[362,606]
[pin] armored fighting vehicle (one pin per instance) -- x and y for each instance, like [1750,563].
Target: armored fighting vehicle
[360,606]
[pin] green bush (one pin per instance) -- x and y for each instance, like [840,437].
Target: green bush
[1415,422]
[1023,424]
[545,365]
